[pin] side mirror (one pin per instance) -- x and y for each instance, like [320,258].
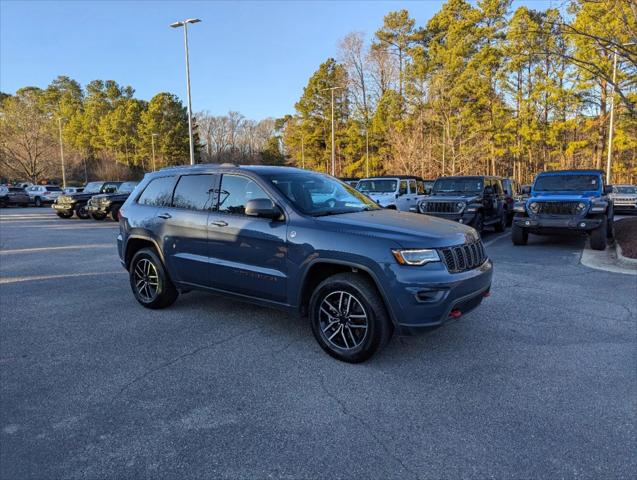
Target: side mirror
[608,189]
[262,208]
[526,190]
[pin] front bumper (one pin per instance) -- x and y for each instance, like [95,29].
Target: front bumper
[427,296]
[466,218]
[582,224]
[63,207]
[625,207]
[104,209]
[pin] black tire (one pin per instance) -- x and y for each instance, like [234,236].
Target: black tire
[98,216]
[610,228]
[598,236]
[364,300]
[80,211]
[37,202]
[502,224]
[161,295]
[64,214]
[478,223]
[115,212]
[519,235]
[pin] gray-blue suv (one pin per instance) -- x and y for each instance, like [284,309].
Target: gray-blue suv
[304,242]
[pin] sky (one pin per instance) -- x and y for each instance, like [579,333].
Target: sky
[254,57]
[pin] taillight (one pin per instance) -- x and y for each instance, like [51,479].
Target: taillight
[120,214]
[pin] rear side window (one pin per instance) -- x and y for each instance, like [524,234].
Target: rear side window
[54,189]
[412,186]
[158,193]
[195,192]
[236,191]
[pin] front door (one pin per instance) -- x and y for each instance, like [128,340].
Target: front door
[247,255]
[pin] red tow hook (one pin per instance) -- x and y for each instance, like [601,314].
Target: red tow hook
[486,294]
[455,313]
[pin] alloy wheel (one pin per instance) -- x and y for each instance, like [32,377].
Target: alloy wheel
[146,280]
[343,320]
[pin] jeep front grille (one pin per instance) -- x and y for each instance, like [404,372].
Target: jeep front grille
[464,257]
[439,207]
[557,208]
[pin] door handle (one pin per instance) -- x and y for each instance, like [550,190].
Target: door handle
[219,223]
[165,216]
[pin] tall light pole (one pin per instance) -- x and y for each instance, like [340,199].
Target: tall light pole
[152,145]
[331,89]
[612,115]
[303,151]
[62,152]
[185,25]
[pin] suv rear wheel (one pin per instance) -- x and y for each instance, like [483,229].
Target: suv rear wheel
[599,235]
[348,318]
[502,224]
[98,216]
[519,235]
[115,213]
[65,214]
[149,280]
[37,202]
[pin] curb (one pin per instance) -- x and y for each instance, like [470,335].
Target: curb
[629,262]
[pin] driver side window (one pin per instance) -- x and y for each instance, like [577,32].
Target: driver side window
[235,192]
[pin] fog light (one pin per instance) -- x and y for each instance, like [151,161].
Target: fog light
[527,223]
[455,313]
[460,220]
[582,225]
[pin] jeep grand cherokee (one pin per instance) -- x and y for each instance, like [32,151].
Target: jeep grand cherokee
[270,235]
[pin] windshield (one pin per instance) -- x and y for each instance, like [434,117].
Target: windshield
[458,185]
[386,185]
[570,183]
[127,187]
[625,189]
[317,194]
[93,187]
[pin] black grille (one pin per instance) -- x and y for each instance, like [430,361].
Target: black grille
[557,208]
[464,257]
[439,207]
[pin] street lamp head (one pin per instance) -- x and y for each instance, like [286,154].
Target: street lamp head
[181,24]
[193,20]
[177,24]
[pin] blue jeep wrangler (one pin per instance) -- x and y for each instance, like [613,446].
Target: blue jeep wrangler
[567,201]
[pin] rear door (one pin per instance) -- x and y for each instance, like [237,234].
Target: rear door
[185,232]
[247,255]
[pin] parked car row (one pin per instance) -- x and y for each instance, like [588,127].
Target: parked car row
[37,195]
[97,200]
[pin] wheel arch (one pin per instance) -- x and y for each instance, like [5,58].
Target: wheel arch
[135,243]
[320,269]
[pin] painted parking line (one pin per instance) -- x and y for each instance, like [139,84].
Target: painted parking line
[499,237]
[34,278]
[49,249]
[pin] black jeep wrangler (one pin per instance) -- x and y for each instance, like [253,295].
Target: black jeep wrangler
[478,201]
[66,205]
[104,204]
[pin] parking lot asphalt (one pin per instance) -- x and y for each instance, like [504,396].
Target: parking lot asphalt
[540,381]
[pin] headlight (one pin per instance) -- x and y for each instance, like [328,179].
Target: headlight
[416,257]
[599,207]
[580,207]
[421,207]
[519,207]
[534,207]
[460,206]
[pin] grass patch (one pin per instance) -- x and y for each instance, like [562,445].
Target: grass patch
[626,236]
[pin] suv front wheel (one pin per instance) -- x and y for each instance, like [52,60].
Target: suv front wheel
[348,318]
[599,236]
[149,280]
[519,235]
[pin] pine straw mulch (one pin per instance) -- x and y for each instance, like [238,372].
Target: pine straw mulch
[626,236]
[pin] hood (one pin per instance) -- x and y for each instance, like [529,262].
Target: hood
[409,230]
[564,196]
[111,196]
[79,196]
[441,197]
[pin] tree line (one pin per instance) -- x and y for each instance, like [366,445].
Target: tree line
[478,89]
[108,133]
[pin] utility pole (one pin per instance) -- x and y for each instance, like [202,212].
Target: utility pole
[185,25]
[612,115]
[331,89]
[303,151]
[62,152]
[152,145]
